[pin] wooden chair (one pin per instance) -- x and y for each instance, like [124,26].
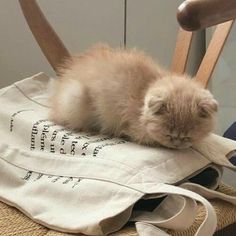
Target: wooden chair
[49,42]
[212,54]
[199,14]
[56,52]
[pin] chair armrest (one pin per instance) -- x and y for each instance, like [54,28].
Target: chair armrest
[199,14]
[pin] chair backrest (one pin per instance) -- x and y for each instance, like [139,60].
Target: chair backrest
[199,14]
[49,42]
[212,54]
[56,52]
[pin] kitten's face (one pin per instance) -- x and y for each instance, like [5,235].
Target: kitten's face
[177,114]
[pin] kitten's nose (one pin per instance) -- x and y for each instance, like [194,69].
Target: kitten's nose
[177,142]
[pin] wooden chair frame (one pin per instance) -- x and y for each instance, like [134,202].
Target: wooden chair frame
[55,51]
[199,14]
[49,42]
[212,54]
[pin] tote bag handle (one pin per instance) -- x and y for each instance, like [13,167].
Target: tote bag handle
[178,207]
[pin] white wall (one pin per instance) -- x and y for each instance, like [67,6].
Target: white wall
[79,23]
[223,82]
[223,86]
[151,25]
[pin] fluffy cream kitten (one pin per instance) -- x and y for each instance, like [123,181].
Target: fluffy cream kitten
[124,93]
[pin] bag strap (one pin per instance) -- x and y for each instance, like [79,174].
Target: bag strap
[218,150]
[213,52]
[170,214]
[145,229]
[207,227]
[181,53]
[209,193]
[190,192]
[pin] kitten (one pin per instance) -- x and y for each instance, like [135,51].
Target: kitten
[124,93]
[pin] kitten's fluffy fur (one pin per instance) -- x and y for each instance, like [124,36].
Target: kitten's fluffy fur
[124,93]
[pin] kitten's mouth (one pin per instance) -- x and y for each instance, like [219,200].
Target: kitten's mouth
[179,147]
[183,147]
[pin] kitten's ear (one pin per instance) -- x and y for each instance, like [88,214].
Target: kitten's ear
[207,106]
[156,104]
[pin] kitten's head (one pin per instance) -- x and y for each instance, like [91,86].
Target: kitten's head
[178,112]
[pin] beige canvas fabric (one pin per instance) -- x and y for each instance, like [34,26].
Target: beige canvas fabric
[12,222]
[75,182]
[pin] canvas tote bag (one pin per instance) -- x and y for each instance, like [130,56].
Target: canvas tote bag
[82,183]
